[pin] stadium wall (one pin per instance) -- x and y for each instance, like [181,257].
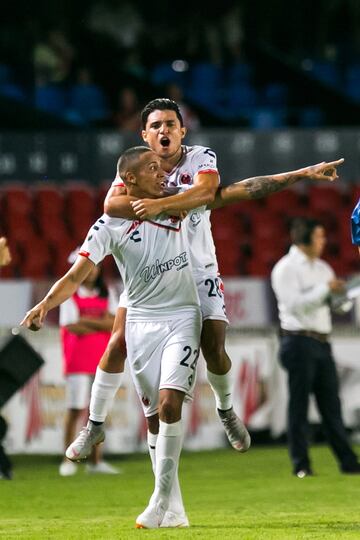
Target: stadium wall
[92,156]
[36,412]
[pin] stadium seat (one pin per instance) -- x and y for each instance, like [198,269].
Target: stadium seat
[267,227]
[20,228]
[52,228]
[60,251]
[285,201]
[267,118]
[6,74]
[326,72]
[35,259]
[310,116]
[239,72]
[352,81]
[241,96]
[48,199]
[80,200]
[16,200]
[163,73]
[229,260]
[324,198]
[13,91]
[205,86]
[50,98]
[274,94]
[89,101]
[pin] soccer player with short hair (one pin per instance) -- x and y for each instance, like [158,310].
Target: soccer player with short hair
[163,320]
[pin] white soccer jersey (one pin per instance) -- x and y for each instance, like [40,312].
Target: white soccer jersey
[153,261]
[195,160]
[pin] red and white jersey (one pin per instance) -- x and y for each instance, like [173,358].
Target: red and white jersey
[153,260]
[195,160]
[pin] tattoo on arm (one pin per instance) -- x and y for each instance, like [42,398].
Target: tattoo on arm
[260,186]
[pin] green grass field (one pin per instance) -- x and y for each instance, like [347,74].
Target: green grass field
[227,495]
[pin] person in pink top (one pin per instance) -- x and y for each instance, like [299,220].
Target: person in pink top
[86,320]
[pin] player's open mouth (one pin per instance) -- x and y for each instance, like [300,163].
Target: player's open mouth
[165,142]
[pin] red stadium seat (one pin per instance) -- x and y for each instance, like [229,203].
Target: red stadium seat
[268,226]
[17,200]
[324,198]
[20,228]
[52,228]
[80,200]
[285,202]
[48,200]
[60,251]
[35,259]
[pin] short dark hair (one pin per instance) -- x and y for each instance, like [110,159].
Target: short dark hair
[129,159]
[302,228]
[160,104]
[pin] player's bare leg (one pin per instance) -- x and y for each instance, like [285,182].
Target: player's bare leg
[72,416]
[220,379]
[167,453]
[106,383]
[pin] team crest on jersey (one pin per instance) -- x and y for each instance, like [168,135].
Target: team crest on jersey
[195,218]
[185,178]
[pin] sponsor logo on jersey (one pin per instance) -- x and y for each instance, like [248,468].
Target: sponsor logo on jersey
[152,271]
[185,178]
[145,400]
[206,165]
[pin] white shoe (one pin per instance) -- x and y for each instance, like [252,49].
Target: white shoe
[82,446]
[101,468]
[172,519]
[235,430]
[151,517]
[67,468]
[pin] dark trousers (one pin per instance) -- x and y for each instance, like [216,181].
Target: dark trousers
[311,369]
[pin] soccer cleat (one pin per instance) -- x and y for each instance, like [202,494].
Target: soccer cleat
[101,468]
[88,437]
[174,520]
[151,517]
[67,468]
[235,430]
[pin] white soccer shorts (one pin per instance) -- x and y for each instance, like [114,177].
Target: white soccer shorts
[211,294]
[77,390]
[163,354]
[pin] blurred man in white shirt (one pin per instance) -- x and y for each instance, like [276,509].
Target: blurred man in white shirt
[303,283]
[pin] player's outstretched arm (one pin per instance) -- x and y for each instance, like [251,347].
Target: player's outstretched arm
[262,186]
[62,289]
[203,193]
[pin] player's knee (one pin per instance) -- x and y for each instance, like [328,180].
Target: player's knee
[169,410]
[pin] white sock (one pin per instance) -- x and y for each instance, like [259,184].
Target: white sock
[168,449]
[222,387]
[176,504]
[103,391]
